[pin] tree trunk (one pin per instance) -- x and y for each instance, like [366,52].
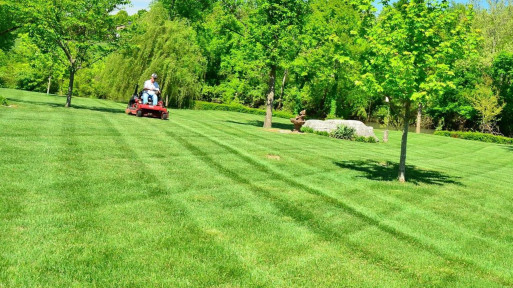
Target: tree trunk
[49,84]
[419,118]
[402,162]
[270,98]
[72,72]
[280,102]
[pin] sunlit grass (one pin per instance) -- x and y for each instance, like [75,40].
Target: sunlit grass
[92,197]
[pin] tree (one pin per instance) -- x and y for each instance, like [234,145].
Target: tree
[496,24]
[160,46]
[193,10]
[29,68]
[83,30]
[502,77]
[9,24]
[415,47]
[272,30]
[327,64]
[486,102]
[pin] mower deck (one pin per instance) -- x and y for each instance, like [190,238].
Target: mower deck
[145,110]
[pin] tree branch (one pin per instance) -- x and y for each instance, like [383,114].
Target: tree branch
[10,30]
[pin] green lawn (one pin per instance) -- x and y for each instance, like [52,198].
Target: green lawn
[92,197]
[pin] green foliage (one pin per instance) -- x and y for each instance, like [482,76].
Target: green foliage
[77,211]
[364,139]
[310,130]
[307,130]
[27,67]
[11,20]
[496,24]
[486,102]
[343,132]
[414,48]
[477,136]
[82,31]
[201,105]
[160,46]
[3,101]
[502,77]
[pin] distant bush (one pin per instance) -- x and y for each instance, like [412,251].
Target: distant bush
[477,136]
[3,101]
[201,105]
[343,132]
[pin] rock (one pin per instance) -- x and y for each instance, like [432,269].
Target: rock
[330,125]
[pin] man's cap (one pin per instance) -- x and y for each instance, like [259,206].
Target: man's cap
[154,75]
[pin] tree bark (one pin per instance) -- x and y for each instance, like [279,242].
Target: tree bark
[270,98]
[72,72]
[402,162]
[49,84]
[419,118]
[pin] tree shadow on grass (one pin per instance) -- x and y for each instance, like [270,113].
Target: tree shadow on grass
[73,106]
[260,124]
[387,171]
[509,147]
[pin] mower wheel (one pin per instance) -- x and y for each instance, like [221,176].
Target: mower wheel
[164,116]
[139,113]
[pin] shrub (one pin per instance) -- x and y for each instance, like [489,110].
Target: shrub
[477,136]
[307,130]
[202,105]
[322,133]
[310,130]
[364,139]
[3,101]
[343,132]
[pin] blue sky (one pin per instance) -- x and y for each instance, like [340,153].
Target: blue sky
[137,5]
[144,4]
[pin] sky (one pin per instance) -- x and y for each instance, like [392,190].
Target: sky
[144,4]
[137,5]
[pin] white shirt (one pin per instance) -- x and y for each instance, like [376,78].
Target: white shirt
[150,87]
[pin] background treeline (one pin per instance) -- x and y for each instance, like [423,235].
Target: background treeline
[315,55]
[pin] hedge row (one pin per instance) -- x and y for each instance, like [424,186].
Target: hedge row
[483,137]
[202,105]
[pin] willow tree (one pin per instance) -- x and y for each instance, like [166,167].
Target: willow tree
[415,46]
[82,30]
[158,45]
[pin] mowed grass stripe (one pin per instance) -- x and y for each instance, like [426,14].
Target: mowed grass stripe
[202,156]
[305,170]
[301,217]
[386,226]
[229,266]
[144,237]
[390,201]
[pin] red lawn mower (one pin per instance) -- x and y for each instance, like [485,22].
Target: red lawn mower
[137,108]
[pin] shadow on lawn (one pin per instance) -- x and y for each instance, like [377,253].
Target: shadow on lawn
[387,171]
[73,106]
[260,124]
[509,148]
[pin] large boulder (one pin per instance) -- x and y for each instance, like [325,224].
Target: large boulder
[330,125]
